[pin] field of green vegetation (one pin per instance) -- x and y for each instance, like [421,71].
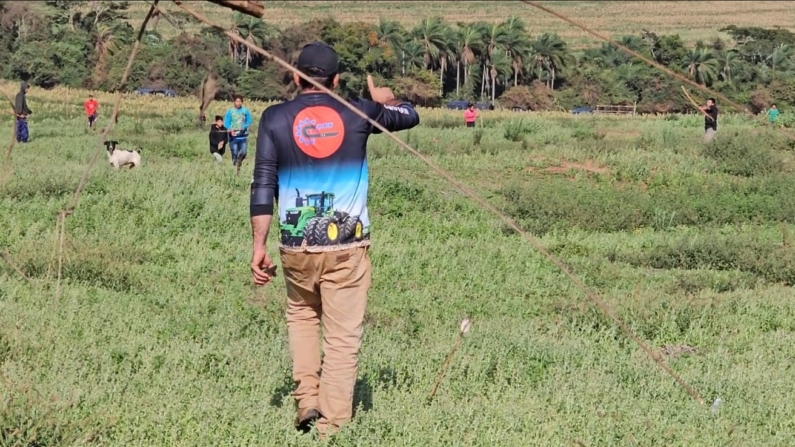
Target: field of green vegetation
[160,339]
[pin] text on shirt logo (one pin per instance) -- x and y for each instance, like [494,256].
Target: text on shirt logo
[397,109]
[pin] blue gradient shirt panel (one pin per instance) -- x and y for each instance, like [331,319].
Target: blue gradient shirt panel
[312,158]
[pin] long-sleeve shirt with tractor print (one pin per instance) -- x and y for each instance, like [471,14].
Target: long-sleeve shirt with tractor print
[311,158]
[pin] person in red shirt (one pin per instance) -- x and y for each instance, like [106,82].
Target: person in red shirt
[91,110]
[470,115]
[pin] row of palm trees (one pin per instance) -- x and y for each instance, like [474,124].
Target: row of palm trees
[500,53]
[504,54]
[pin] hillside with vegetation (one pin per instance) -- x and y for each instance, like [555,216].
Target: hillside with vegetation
[85,44]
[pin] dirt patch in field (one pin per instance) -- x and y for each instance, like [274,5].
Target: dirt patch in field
[589,166]
[674,351]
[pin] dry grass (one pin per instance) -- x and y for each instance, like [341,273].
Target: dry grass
[693,20]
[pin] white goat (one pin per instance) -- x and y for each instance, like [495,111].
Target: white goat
[118,157]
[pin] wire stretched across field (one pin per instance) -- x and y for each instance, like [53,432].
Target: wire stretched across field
[593,296]
[532,240]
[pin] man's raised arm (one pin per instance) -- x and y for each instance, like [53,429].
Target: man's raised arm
[395,115]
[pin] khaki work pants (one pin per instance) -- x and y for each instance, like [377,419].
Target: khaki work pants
[330,287]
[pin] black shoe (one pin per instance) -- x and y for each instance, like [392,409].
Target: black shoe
[305,419]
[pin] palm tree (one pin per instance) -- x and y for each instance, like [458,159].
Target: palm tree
[434,37]
[431,34]
[727,65]
[493,35]
[103,40]
[391,34]
[499,65]
[780,58]
[414,54]
[517,44]
[254,31]
[549,51]
[701,65]
[447,54]
[469,41]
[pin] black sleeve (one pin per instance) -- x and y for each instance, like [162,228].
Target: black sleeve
[393,118]
[265,183]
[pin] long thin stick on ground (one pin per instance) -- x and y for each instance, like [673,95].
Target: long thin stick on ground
[663,68]
[466,323]
[11,263]
[532,240]
[84,179]
[60,225]
[445,365]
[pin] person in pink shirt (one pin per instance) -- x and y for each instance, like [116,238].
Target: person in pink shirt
[470,115]
[91,107]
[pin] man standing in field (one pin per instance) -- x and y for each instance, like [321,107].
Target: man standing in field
[312,156]
[91,107]
[22,111]
[237,121]
[772,114]
[711,120]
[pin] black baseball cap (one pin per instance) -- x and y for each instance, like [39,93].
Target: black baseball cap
[318,59]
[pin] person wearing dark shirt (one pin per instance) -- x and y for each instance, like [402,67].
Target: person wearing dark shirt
[22,111]
[710,120]
[311,158]
[218,138]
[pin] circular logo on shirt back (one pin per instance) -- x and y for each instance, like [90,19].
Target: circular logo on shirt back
[318,131]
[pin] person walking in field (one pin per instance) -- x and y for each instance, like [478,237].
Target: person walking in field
[237,121]
[22,111]
[311,151]
[710,120]
[772,114]
[91,107]
[470,115]
[218,137]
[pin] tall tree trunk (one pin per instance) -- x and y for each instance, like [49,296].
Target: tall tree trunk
[403,62]
[515,76]
[493,87]
[457,76]
[483,82]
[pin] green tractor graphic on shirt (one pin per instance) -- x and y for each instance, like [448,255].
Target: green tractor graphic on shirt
[314,220]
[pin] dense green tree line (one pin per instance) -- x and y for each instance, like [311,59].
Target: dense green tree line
[86,44]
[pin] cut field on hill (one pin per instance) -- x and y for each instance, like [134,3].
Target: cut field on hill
[160,339]
[692,20]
